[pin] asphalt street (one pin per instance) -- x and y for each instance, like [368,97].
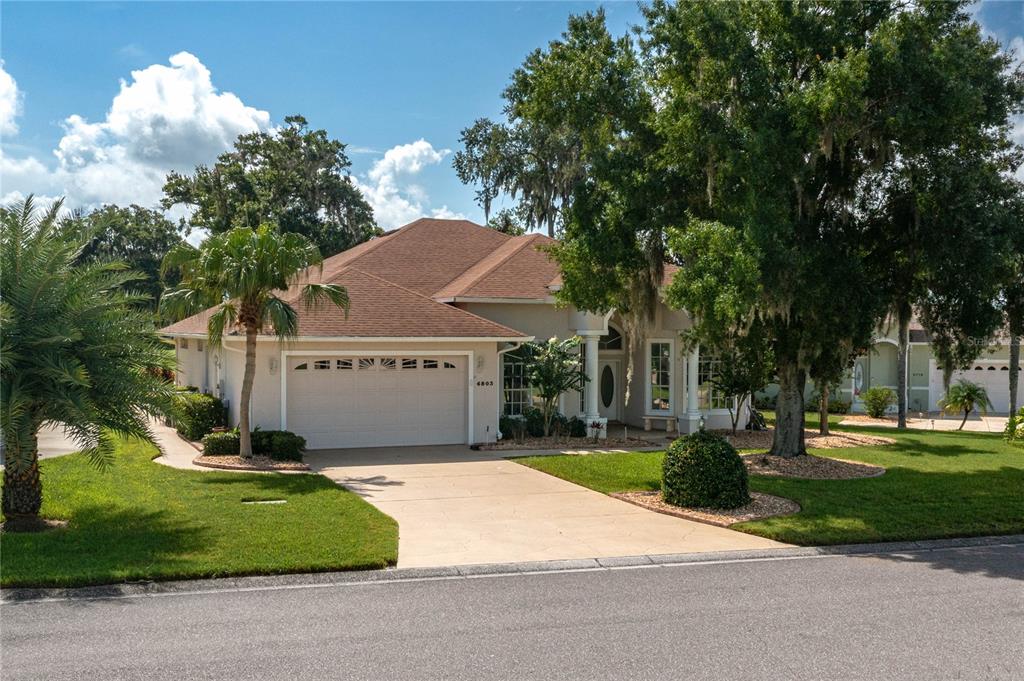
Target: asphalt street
[941,614]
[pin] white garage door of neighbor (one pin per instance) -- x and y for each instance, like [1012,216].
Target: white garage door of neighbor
[994,376]
[377,401]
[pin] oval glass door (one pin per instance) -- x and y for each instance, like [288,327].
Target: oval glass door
[607,386]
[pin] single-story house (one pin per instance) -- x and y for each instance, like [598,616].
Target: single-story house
[879,367]
[428,351]
[924,373]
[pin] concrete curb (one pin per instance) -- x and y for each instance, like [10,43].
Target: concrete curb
[326,579]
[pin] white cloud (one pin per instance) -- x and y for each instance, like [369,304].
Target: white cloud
[166,118]
[445,213]
[395,198]
[10,102]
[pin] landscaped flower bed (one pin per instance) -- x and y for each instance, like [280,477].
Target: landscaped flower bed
[762,439]
[760,506]
[567,443]
[810,467]
[255,463]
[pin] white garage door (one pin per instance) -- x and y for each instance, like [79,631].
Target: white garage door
[377,401]
[994,376]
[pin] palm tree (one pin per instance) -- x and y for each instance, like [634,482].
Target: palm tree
[243,273]
[965,396]
[77,348]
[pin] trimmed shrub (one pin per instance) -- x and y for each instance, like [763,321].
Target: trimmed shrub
[279,445]
[512,428]
[221,444]
[287,446]
[198,414]
[534,422]
[764,402]
[838,407]
[704,470]
[877,401]
[531,424]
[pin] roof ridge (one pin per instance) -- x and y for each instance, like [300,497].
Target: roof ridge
[507,238]
[420,295]
[480,276]
[374,244]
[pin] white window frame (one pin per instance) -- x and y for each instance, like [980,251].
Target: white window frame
[470,356]
[712,388]
[648,411]
[526,389]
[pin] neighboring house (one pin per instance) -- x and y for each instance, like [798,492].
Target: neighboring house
[924,374]
[428,352]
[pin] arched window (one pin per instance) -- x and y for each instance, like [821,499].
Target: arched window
[610,341]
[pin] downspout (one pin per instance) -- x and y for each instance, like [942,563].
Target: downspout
[501,377]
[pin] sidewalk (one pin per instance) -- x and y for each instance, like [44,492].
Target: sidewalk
[176,452]
[975,424]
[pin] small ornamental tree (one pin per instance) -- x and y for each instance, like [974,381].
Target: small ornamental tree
[243,274]
[744,368]
[966,397]
[552,368]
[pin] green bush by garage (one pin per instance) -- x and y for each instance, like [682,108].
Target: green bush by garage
[198,414]
[279,445]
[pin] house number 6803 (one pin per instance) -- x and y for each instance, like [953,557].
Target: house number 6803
[485,382]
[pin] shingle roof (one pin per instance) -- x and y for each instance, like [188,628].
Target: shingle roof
[396,282]
[379,309]
[517,269]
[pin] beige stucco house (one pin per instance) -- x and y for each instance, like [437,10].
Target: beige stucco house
[427,353]
[925,386]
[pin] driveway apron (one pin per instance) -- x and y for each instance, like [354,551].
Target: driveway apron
[455,506]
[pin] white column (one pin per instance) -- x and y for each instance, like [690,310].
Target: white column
[591,388]
[692,370]
[596,426]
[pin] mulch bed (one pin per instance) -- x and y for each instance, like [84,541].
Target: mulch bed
[762,439]
[761,506]
[256,463]
[570,443]
[810,467]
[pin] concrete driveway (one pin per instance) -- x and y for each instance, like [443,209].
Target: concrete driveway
[455,506]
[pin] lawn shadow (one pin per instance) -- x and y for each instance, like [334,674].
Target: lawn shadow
[101,545]
[999,560]
[905,504]
[279,483]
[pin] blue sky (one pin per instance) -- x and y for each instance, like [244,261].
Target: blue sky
[380,77]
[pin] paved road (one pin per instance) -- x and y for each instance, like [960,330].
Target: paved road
[947,614]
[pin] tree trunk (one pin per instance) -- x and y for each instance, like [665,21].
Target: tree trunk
[967,412]
[23,488]
[244,428]
[903,319]
[1014,372]
[823,411]
[735,417]
[789,411]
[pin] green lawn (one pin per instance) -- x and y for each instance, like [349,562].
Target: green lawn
[937,485]
[140,520]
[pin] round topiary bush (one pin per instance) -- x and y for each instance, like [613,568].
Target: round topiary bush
[704,470]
